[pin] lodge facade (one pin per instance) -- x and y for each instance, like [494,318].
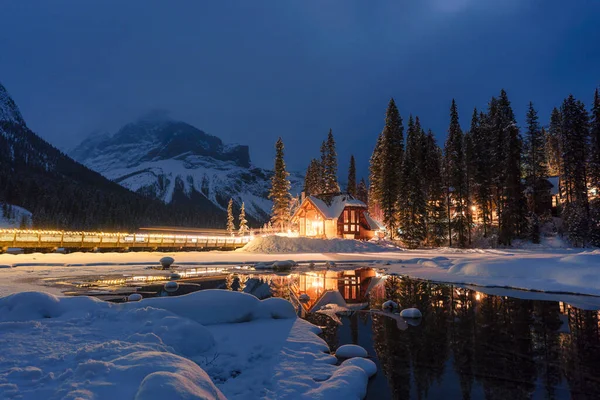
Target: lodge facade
[335,216]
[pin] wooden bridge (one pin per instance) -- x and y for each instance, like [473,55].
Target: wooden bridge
[52,240]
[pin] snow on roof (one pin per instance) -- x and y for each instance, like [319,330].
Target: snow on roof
[373,223]
[332,206]
[554,181]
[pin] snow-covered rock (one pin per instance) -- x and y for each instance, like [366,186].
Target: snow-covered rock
[350,351]
[166,262]
[134,297]
[389,305]
[411,313]
[171,286]
[364,363]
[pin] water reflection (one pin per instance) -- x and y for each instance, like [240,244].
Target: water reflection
[473,345]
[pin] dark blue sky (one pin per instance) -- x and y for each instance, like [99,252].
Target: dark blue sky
[250,71]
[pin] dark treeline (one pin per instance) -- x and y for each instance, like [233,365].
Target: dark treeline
[63,194]
[490,180]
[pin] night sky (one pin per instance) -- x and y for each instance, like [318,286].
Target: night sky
[250,71]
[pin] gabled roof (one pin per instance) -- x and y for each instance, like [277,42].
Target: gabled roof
[373,223]
[332,206]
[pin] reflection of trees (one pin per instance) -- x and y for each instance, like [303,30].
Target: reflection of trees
[581,352]
[462,335]
[546,341]
[504,348]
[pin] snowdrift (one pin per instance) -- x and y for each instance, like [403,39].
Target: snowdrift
[281,244]
[211,344]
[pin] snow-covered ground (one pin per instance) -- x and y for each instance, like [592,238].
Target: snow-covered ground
[211,344]
[15,217]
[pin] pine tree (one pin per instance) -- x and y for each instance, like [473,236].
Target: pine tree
[413,204]
[230,219]
[573,144]
[312,180]
[512,221]
[594,163]
[482,165]
[469,149]
[455,163]
[243,222]
[280,190]
[553,137]
[362,193]
[329,165]
[536,174]
[437,226]
[351,189]
[390,161]
[375,168]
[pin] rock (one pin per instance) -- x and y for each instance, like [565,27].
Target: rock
[166,262]
[304,298]
[411,313]
[171,286]
[365,364]
[174,277]
[389,306]
[134,297]
[350,351]
[283,265]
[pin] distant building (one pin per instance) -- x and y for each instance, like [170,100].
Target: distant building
[335,216]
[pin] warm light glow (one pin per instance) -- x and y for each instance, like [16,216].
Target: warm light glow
[473,208]
[477,296]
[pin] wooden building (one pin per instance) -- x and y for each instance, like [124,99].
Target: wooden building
[335,216]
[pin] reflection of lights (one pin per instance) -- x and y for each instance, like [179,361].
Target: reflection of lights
[477,296]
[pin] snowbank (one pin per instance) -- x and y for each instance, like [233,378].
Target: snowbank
[188,347]
[281,244]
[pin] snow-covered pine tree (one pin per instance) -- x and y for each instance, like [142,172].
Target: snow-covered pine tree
[230,219]
[437,226]
[391,158]
[329,165]
[243,222]
[534,161]
[280,190]
[455,162]
[413,206]
[362,192]
[469,175]
[351,188]
[512,222]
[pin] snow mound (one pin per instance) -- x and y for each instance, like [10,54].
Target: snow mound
[351,351]
[364,363]
[410,313]
[282,244]
[389,305]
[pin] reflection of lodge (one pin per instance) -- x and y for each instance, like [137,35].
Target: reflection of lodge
[321,286]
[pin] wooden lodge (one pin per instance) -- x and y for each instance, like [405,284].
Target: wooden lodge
[335,216]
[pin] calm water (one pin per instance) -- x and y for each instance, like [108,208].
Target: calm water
[472,346]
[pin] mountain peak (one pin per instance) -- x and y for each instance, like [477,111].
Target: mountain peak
[156,115]
[9,112]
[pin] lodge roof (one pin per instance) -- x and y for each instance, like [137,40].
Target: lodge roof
[331,206]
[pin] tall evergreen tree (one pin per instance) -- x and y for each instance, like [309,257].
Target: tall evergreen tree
[436,197]
[280,190]
[553,137]
[312,179]
[535,166]
[243,222]
[362,192]
[375,168]
[469,150]
[512,215]
[594,163]
[391,157]
[573,143]
[351,177]
[455,163]
[413,205]
[329,165]
[482,173]
[230,218]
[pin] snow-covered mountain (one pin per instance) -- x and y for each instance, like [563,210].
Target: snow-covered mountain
[9,112]
[174,161]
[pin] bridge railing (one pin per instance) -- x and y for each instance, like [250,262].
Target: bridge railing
[48,239]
